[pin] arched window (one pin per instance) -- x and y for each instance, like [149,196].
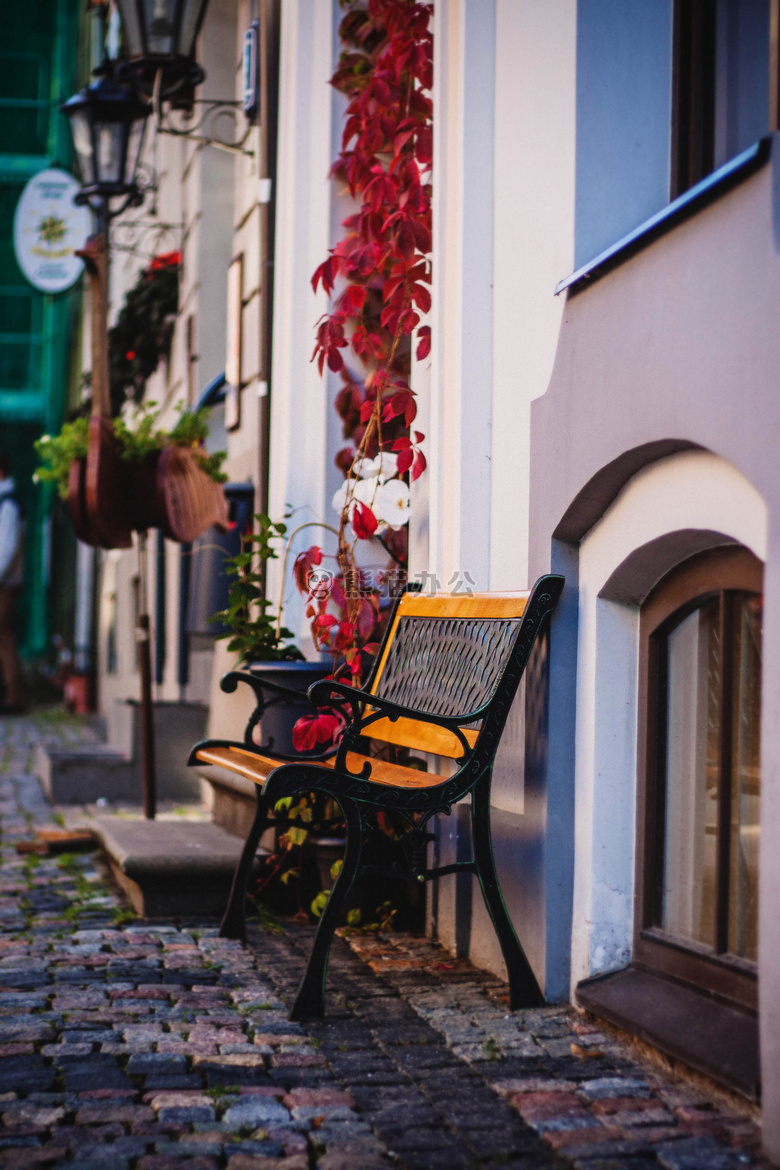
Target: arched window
[700,794]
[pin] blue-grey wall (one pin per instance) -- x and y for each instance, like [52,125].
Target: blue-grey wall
[624,85]
[742,69]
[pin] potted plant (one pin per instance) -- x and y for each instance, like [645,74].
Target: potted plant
[165,479]
[308,840]
[263,644]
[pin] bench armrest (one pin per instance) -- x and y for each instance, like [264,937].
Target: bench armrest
[327,691]
[230,681]
[320,695]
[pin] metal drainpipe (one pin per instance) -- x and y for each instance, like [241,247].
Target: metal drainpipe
[269,67]
[84,624]
[183,658]
[159,611]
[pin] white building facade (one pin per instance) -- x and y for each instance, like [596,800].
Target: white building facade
[622,433]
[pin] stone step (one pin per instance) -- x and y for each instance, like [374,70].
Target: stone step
[170,868]
[87,773]
[84,775]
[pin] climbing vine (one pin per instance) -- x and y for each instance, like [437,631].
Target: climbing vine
[378,277]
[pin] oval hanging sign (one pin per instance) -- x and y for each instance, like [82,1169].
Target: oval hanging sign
[48,228]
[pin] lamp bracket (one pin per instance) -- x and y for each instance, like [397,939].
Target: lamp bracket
[146,238]
[212,123]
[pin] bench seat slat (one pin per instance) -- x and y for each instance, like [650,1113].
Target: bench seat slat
[463,605]
[258,768]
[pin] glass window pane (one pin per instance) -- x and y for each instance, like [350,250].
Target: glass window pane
[692,769]
[110,145]
[135,140]
[131,27]
[82,142]
[745,779]
[189,22]
[160,25]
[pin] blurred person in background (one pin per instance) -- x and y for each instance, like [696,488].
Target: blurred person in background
[11,579]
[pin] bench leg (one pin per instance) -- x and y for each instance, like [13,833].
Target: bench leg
[233,923]
[310,1000]
[524,991]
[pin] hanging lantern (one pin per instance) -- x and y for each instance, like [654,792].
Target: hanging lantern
[160,38]
[107,122]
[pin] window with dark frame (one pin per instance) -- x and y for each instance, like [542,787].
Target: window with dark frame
[724,83]
[700,806]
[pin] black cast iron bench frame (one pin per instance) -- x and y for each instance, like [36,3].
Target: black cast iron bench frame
[443,682]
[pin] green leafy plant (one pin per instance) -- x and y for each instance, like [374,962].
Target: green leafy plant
[266,920]
[57,452]
[123,915]
[219,1092]
[319,903]
[143,438]
[256,634]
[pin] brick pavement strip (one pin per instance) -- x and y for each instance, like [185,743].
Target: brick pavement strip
[156,1045]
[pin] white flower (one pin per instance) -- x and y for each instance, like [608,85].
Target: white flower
[391,503]
[387,499]
[359,491]
[45,439]
[340,497]
[384,467]
[35,477]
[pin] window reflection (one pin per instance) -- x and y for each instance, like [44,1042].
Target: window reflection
[745,781]
[692,768]
[710,703]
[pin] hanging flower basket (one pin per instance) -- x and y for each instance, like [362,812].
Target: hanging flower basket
[118,480]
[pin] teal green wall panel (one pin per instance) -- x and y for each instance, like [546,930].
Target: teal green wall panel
[38,332]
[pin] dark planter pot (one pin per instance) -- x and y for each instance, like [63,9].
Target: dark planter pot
[327,850]
[279,719]
[109,497]
[169,490]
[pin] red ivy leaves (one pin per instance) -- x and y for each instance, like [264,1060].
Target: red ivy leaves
[410,455]
[424,343]
[312,730]
[330,339]
[304,566]
[378,276]
[385,159]
[364,522]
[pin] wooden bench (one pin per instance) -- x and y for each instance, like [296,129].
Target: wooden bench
[442,683]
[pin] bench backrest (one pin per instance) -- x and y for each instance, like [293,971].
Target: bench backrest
[444,655]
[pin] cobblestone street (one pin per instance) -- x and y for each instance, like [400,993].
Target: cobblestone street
[157,1045]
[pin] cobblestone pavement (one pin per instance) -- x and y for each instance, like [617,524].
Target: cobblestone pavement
[157,1045]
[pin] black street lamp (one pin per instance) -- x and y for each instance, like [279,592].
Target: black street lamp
[160,38]
[107,121]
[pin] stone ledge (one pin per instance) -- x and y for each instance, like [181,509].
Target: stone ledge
[233,800]
[170,867]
